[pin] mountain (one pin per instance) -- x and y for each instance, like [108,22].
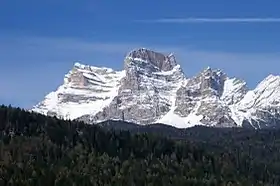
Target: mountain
[86,90]
[153,88]
[260,107]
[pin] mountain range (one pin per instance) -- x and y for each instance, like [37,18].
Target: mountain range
[153,88]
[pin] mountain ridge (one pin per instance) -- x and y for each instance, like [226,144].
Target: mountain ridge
[153,88]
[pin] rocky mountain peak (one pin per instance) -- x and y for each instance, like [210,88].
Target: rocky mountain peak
[81,75]
[210,72]
[210,81]
[145,58]
[265,95]
[75,77]
[270,81]
[78,65]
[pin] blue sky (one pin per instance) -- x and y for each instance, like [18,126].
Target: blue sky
[40,40]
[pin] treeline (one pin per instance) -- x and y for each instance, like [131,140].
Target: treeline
[40,150]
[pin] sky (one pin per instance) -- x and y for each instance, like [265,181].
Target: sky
[41,40]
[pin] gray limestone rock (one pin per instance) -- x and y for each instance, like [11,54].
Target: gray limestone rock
[201,96]
[143,96]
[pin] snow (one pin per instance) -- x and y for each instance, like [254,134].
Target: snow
[248,100]
[103,92]
[78,65]
[233,90]
[180,122]
[90,76]
[265,95]
[168,73]
[87,68]
[137,59]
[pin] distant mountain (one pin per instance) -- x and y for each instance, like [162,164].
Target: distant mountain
[153,88]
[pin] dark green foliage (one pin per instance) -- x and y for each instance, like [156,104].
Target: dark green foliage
[40,150]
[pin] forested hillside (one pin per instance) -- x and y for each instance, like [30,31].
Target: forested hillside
[40,150]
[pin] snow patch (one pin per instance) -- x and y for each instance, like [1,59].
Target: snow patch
[180,122]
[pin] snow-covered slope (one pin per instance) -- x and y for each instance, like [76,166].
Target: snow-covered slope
[86,90]
[260,107]
[152,88]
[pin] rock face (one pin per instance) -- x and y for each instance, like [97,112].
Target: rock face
[146,89]
[152,88]
[202,96]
